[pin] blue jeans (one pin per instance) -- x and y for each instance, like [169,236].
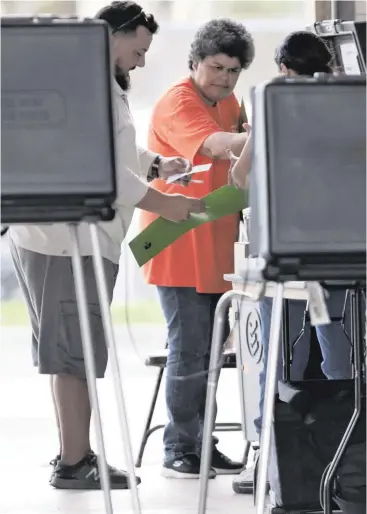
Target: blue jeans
[334,344]
[189,316]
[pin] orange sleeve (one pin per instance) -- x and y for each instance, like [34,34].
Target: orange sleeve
[184,122]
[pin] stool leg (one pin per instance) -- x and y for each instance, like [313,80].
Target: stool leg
[147,431]
[246,454]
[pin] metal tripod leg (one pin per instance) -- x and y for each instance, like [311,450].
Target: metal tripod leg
[356,315]
[90,368]
[116,375]
[220,319]
[270,388]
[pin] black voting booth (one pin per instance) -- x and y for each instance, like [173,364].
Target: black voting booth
[56,103]
[310,144]
[58,161]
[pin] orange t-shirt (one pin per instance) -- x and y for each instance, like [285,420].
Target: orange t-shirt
[180,124]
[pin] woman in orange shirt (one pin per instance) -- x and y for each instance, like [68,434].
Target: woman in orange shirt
[197,118]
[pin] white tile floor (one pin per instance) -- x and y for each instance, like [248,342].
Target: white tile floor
[28,440]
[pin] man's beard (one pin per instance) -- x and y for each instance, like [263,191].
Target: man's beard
[122,78]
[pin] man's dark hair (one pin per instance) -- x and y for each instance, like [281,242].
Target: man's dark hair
[127,17]
[304,53]
[222,36]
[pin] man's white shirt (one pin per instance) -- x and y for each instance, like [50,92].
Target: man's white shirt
[132,167]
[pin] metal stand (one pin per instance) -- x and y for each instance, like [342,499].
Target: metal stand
[270,388]
[116,374]
[220,319]
[357,337]
[81,297]
[90,368]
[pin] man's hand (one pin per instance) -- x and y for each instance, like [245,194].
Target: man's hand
[179,207]
[172,165]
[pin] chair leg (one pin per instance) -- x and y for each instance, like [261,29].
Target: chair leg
[246,453]
[147,430]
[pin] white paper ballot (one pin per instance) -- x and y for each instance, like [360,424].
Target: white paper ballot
[196,169]
[350,58]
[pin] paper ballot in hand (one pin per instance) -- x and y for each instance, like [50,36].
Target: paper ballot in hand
[161,233]
[181,176]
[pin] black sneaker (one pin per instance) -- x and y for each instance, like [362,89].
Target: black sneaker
[54,461]
[187,466]
[85,475]
[224,465]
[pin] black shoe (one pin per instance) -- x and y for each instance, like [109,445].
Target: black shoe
[224,465]
[54,461]
[85,475]
[187,466]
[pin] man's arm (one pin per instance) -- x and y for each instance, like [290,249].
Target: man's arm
[146,159]
[132,191]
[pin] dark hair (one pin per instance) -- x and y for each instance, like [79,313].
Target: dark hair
[222,36]
[127,17]
[304,53]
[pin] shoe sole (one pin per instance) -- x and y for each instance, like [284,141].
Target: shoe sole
[61,483]
[243,488]
[220,471]
[171,473]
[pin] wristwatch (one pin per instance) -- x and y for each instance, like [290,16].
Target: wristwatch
[154,169]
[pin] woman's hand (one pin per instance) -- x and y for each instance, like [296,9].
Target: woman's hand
[240,166]
[233,160]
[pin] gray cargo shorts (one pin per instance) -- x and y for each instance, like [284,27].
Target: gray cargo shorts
[47,283]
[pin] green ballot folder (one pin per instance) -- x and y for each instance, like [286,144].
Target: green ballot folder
[161,233]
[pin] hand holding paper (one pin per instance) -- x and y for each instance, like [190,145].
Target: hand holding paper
[161,233]
[182,176]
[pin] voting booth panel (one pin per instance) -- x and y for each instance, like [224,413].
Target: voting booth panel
[325,229]
[58,166]
[346,41]
[58,153]
[249,350]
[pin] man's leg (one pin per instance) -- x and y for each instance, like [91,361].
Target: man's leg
[188,321]
[50,284]
[20,270]
[74,414]
[52,387]
[335,346]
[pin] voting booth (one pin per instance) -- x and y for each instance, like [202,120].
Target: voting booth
[308,225]
[346,41]
[58,163]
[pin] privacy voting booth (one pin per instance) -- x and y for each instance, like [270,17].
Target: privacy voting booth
[346,41]
[308,226]
[58,162]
